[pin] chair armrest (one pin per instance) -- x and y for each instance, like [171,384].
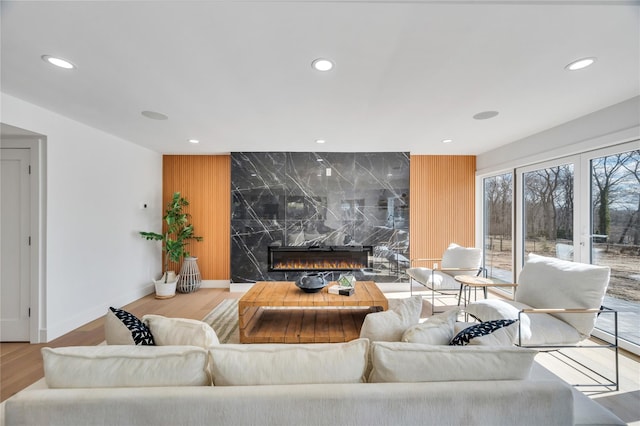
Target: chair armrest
[456,269]
[598,311]
[560,311]
[424,260]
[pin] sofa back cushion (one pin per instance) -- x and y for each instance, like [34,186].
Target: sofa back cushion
[456,256]
[547,282]
[180,331]
[125,366]
[283,364]
[436,330]
[417,362]
[390,325]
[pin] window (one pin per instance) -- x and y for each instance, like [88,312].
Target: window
[498,227]
[614,241]
[584,208]
[548,211]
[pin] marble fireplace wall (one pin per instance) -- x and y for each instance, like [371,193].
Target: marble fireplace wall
[301,199]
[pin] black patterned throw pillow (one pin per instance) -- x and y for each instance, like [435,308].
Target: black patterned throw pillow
[479,330]
[139,332]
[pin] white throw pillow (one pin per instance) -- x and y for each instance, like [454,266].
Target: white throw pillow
[456,256]
[417,362]
[537,329]
[437,330]
[125,366]
[284,364]
[389,326]
[421,274]
[495,309]
[435,280]
[180,331]
[547,282]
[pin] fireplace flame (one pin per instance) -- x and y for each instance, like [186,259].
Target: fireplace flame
[297,264]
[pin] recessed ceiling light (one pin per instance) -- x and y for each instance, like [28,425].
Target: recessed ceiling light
[154,115]
[580,64]
[484,115]
[321,64]
[320,141]
[447,140]
[58,62]
[194,141]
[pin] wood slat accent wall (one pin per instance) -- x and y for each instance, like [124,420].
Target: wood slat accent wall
[442,203]
[204,180]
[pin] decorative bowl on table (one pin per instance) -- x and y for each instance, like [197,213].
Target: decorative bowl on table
[312,282]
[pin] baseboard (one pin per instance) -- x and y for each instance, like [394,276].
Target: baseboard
[215,284]
[71,323]
[240,287]
[393,287]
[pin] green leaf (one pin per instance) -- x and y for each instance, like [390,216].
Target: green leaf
[178,231]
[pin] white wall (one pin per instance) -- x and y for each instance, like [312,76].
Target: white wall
[616,124]
[95,186]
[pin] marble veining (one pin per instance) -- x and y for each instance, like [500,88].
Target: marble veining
[316,198]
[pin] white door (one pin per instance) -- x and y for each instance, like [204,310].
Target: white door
[15,217]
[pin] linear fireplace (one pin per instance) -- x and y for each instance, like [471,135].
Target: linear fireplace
[318,258]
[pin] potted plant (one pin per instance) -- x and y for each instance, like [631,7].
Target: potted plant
[177,235]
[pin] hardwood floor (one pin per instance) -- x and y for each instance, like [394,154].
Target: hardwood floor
[21,363]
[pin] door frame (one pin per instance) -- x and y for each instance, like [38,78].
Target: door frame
[586,219]
[36,145]
[519,196]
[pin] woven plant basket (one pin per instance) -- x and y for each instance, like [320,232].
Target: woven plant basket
[190,279]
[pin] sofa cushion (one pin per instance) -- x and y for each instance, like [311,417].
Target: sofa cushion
[537,329]
[417,362]
[466,258]
[180,331]
[436,280]
[282,364]
[547,282]
[495,309]
[124,328]
[437,330]
[493,333]
[389,326]
[456,256]
[125,366]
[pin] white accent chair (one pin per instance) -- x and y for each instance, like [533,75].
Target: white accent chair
[557,304]
[456,260]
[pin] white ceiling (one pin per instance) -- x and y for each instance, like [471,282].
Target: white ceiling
[237,76]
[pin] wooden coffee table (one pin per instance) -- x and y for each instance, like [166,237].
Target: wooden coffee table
[279,312]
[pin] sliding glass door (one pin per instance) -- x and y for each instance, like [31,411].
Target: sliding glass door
[498,227]
[614,238]
[583,208]
[547,211]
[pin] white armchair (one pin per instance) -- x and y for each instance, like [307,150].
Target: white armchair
[456,260]
[557,303]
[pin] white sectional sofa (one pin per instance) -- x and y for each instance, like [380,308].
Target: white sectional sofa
[353,383]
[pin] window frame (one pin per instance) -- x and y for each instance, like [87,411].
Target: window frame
[582,211]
